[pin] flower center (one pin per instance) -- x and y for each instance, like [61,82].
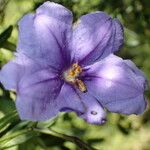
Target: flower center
[72,76]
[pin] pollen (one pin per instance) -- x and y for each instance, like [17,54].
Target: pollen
[75,70]
[80,84]
[72,76]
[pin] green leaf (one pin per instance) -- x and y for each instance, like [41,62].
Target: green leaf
[6,105]
[7,120]
[19,134]
[5,35]
[16,138]
[10,46]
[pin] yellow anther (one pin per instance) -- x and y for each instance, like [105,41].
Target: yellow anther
[75,71]
[80,84]
[72,75]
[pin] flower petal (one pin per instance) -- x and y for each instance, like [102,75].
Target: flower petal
[141,77]
[10,75]
[44,35]
[112,81]
[13,71]
[69,100]
[37,94]
[86,106]
[134,105]
[94,113]
[96,36]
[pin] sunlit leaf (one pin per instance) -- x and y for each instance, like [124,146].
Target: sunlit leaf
[7,120]
[16,138]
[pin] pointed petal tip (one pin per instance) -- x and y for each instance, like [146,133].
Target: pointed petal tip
[91,120]
[94,112]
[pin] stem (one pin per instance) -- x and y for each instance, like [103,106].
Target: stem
[75,140]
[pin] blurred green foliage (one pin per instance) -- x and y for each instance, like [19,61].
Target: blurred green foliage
[120,132]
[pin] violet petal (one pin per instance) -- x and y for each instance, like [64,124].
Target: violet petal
[37,94]
[10,75]
[43,36]
[13,71]
[95,37]
[94,112]
[69,99]
[112,81]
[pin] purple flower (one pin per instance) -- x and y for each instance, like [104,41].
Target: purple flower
[58,68]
